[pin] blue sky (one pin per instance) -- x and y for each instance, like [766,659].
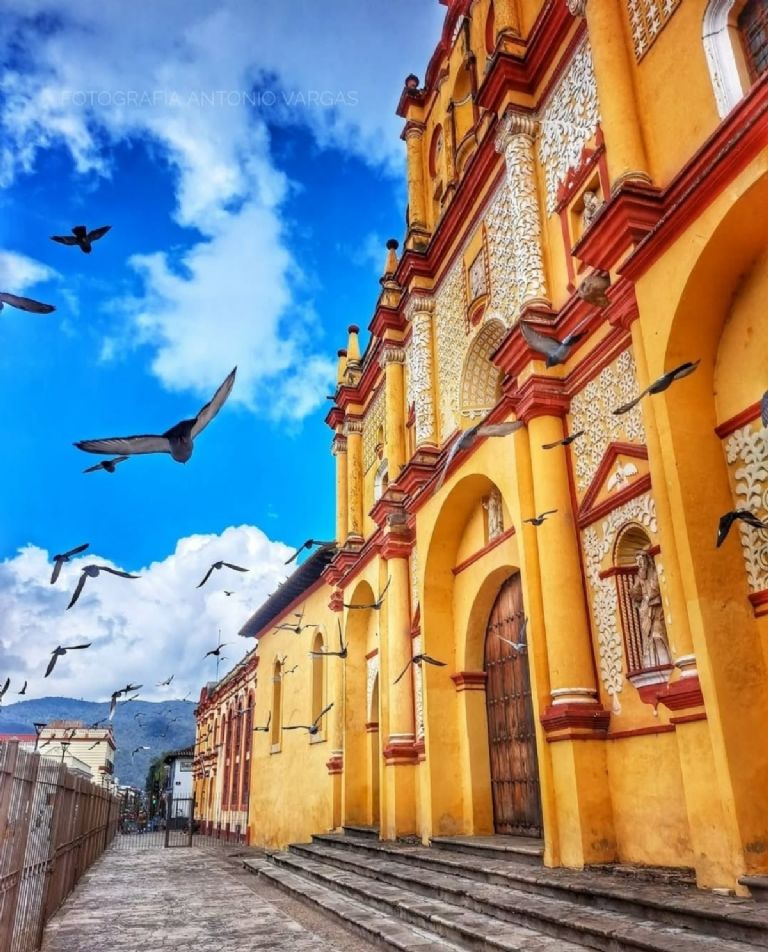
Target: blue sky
[244,232]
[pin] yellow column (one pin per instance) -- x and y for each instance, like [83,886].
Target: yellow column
[419,311]
[354,432]
[339,450]
[614,69]
[398,813]
[414,141]
[575,720]
[507,17]
[392,360]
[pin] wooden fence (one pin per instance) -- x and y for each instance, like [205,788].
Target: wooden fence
[53,825]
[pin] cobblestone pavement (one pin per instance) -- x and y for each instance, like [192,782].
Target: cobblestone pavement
[186,900]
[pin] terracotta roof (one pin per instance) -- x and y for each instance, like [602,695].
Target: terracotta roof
[303,578]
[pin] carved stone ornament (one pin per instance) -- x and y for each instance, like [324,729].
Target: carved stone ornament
[597,541]
[592,206]
[353,427]
[747,453]
[391,354]
[492,505]
[646,598]
[374,423]
[647,18]
[373,673]
[577,7]
[419,368]
[450,346]
[339,445]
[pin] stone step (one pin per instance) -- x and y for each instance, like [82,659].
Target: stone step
[674,905]
[380,928]
[362,832]
[526,849]
[558,918]
[454,926]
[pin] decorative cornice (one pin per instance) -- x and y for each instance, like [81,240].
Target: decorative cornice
[419,304]
[391,354]
[413,130]
[514,123]
[335,763]
[682,694]
[353,427]
[400,750]
[541,396]
[339,445]
[469,680]
[576,720]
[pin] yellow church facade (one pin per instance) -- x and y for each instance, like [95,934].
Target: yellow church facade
[595,168]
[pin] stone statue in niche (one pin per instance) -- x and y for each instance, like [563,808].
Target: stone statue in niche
[646,595]
[592,205]
[492,505]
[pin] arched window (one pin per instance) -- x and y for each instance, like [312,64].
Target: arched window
[735,36]
[318,683]
[247,745]
[380,480]
[463,107]
[228,744]
[277,707]
[235,756]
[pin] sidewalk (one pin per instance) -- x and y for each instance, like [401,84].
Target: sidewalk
[185,900]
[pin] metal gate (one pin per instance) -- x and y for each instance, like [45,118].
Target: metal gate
[180,821]
[145,825]
[511,735]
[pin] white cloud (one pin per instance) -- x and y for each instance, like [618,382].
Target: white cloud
[95,74]
[141,630]
[19,272]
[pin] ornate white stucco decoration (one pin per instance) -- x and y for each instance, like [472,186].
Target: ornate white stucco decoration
[591,411]
[717,37]
[450,346]
[373,424]
[419,368]
[480,379]
[647,18]
[514,141]
[747,453]
[568,120]
[373,672]
[413,568]
[597,541]
[418,690]
[504,304]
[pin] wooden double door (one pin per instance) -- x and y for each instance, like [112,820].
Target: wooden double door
[511,734]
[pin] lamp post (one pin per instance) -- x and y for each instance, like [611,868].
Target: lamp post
[38,725]
[64,748]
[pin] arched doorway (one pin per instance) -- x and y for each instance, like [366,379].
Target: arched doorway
[511,733]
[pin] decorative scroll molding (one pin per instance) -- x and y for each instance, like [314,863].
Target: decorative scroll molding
[373,421]
[591,411]
[338,445]
[419,364]
[413,569]
[747,453]
[647,19]
[515,142]
[450,346]
[597,541]
[568,120]
[354,427]
[373,671]
[504,303]
[391,354]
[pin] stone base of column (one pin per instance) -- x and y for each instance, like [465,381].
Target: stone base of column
[398,802]
[335,765]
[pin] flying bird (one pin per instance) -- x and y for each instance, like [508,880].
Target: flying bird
[164,684]
[666,380]
[24,689]
[537,520]
[299,626]
[266,726]
[116,694]
[592,289]
[59,652]
[564,442]
[290,670]
[62,557]
[341,653]
[178,441]
[24,303]
[305,545]
[82,237]
[216,652]
[228,593]
[94,744]
[418,659]
[93,571]
[556,351]
[726,521]
[469,437]
[520,644]
[5,687]
[137,749]
[219,565]
[375,605]
[100,721]
[314,727]
[110,465]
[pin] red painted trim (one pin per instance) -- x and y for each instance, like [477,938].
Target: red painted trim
[372,727]
[624,220]
[371,654]
[689,718]
[737,422]
[759,602]
[588,717]
[469,680]
[507,534]
[335,764]
[612,453]
[396,755]
[636,488]
[641,731]
[681,694]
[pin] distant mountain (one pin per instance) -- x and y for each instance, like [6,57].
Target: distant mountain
[174,719]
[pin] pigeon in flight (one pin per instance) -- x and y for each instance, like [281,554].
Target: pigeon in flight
[178,441]
[216,652]
[566,441]
[726,521]
[82,237]
[314,727]
[666,380]
[24,303]
[341,653]
[537,520]
[137,749]
[520,644]
[228,594]
[62,557]
[266,726]
[5,687]
[116,694]
[377,604]
[164,684]
[110,465]
[289,670]
[556,351]
[299,626]
[592,289]
[470,436]
[92,571]
[418,659]
[305,545]
[219,565]
[58,652]
[24,689]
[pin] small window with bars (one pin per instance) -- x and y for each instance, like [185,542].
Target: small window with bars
[753,28]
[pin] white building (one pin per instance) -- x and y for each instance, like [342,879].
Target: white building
[88,749]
